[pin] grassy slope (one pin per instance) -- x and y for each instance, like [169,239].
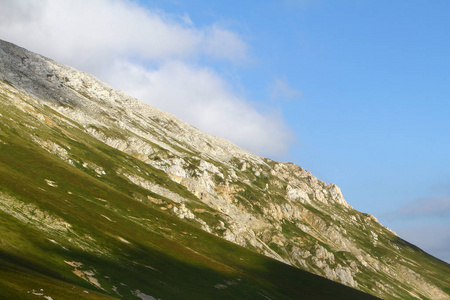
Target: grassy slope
[125,245]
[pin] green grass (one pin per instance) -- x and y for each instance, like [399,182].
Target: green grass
[128,244]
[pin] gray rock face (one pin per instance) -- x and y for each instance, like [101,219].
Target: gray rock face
[278,209]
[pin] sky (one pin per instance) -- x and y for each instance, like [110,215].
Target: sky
[357,92]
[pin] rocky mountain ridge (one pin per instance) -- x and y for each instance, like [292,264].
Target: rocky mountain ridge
[277,209]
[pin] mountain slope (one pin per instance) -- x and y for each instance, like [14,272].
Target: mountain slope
[71,231]
[101,181]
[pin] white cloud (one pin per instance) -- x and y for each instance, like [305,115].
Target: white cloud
[280,90]
[78,32]
[151,55]
[222,43]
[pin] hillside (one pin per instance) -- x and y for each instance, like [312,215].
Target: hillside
[103,196]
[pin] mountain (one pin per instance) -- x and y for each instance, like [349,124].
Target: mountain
[103,196]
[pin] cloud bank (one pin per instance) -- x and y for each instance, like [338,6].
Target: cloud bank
[153,56]
[432,238]
[433,207]
[433,233]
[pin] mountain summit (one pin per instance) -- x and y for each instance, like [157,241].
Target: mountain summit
[103,196]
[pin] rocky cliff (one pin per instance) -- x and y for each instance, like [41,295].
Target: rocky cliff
[277,209]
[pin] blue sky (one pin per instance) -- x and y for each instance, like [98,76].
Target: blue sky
[357,92]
